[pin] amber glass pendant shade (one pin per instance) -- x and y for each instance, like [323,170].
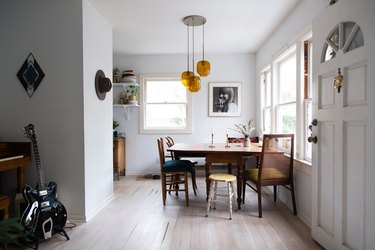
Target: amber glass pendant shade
[203,68]
[185,77]
[194,84]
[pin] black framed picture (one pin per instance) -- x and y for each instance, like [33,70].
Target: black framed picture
[224,99]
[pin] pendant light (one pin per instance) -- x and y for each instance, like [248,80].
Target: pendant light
[185,75]
[203,67]
[194,83]
[188,78]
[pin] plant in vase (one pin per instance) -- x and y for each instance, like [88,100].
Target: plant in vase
[245,130]
[132,93]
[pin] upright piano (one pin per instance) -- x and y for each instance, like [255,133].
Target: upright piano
[15,155]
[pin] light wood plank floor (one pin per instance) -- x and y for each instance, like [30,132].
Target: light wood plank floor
[136,219]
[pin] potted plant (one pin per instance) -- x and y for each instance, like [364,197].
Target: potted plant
[132,92]
[115,125]
[12,232]
[245,130]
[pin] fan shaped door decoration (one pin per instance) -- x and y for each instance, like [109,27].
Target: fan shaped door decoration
[344,36]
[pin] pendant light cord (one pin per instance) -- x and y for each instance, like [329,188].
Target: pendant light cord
[193,44]
[188,52]
[203,41]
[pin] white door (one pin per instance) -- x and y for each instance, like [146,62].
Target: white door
[343,213]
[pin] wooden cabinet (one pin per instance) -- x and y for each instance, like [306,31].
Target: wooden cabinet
[119,159]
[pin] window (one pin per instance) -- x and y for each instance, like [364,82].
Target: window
[165,105]
[266,100]
[286,96]
[307,101]
[346,36]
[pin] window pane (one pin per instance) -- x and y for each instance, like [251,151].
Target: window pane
[166,115]
[268,89]
[308,146]
[357,40]
[310,69]
[335,37]
[286,119]
[165,91]
[329,52]
[267,120]
[287,80]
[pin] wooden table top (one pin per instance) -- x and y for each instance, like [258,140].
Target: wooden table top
[219,148]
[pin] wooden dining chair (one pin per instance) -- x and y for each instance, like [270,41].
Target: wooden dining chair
[173,173]
[170,143]
[276,168]
[247,158]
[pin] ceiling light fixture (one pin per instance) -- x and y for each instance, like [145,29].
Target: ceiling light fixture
[191,81]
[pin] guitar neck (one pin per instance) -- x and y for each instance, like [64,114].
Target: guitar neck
[39,168]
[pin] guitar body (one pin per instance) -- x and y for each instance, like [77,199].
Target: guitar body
[44,215]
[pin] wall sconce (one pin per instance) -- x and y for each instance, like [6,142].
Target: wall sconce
[337,80]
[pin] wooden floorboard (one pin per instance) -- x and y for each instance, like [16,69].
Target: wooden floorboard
[136,219]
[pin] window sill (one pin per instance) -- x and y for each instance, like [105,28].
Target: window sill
[308,163]
[303,166]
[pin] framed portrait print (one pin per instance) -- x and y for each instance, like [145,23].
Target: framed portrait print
[224,99]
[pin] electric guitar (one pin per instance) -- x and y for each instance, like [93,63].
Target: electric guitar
[44,214]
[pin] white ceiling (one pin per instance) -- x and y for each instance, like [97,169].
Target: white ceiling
[156,27]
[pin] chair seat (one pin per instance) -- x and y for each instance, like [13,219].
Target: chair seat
[222,177]
[268,174]
[177,166]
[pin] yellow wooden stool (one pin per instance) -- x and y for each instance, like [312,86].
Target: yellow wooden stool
[232,193]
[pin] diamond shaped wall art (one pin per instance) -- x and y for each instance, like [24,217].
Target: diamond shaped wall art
[30,74]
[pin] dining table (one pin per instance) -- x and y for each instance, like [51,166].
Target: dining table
[231,153]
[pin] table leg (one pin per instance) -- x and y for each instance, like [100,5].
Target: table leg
[239,181]
[207,167]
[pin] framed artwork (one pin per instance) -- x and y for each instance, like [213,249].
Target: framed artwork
[224,99]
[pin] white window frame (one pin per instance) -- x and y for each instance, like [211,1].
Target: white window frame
[295,47]
[263,88]
[144,78]
[307,101]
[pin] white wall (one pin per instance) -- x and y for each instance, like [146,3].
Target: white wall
[97,54]
[63,108]
[297,21]
[141,151]
[52,31]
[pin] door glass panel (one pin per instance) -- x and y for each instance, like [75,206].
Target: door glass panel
[356,42]
[348,27]
[329,53]
[335,37]
[351,41]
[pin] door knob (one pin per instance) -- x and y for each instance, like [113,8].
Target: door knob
[314,122]
[312,139]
